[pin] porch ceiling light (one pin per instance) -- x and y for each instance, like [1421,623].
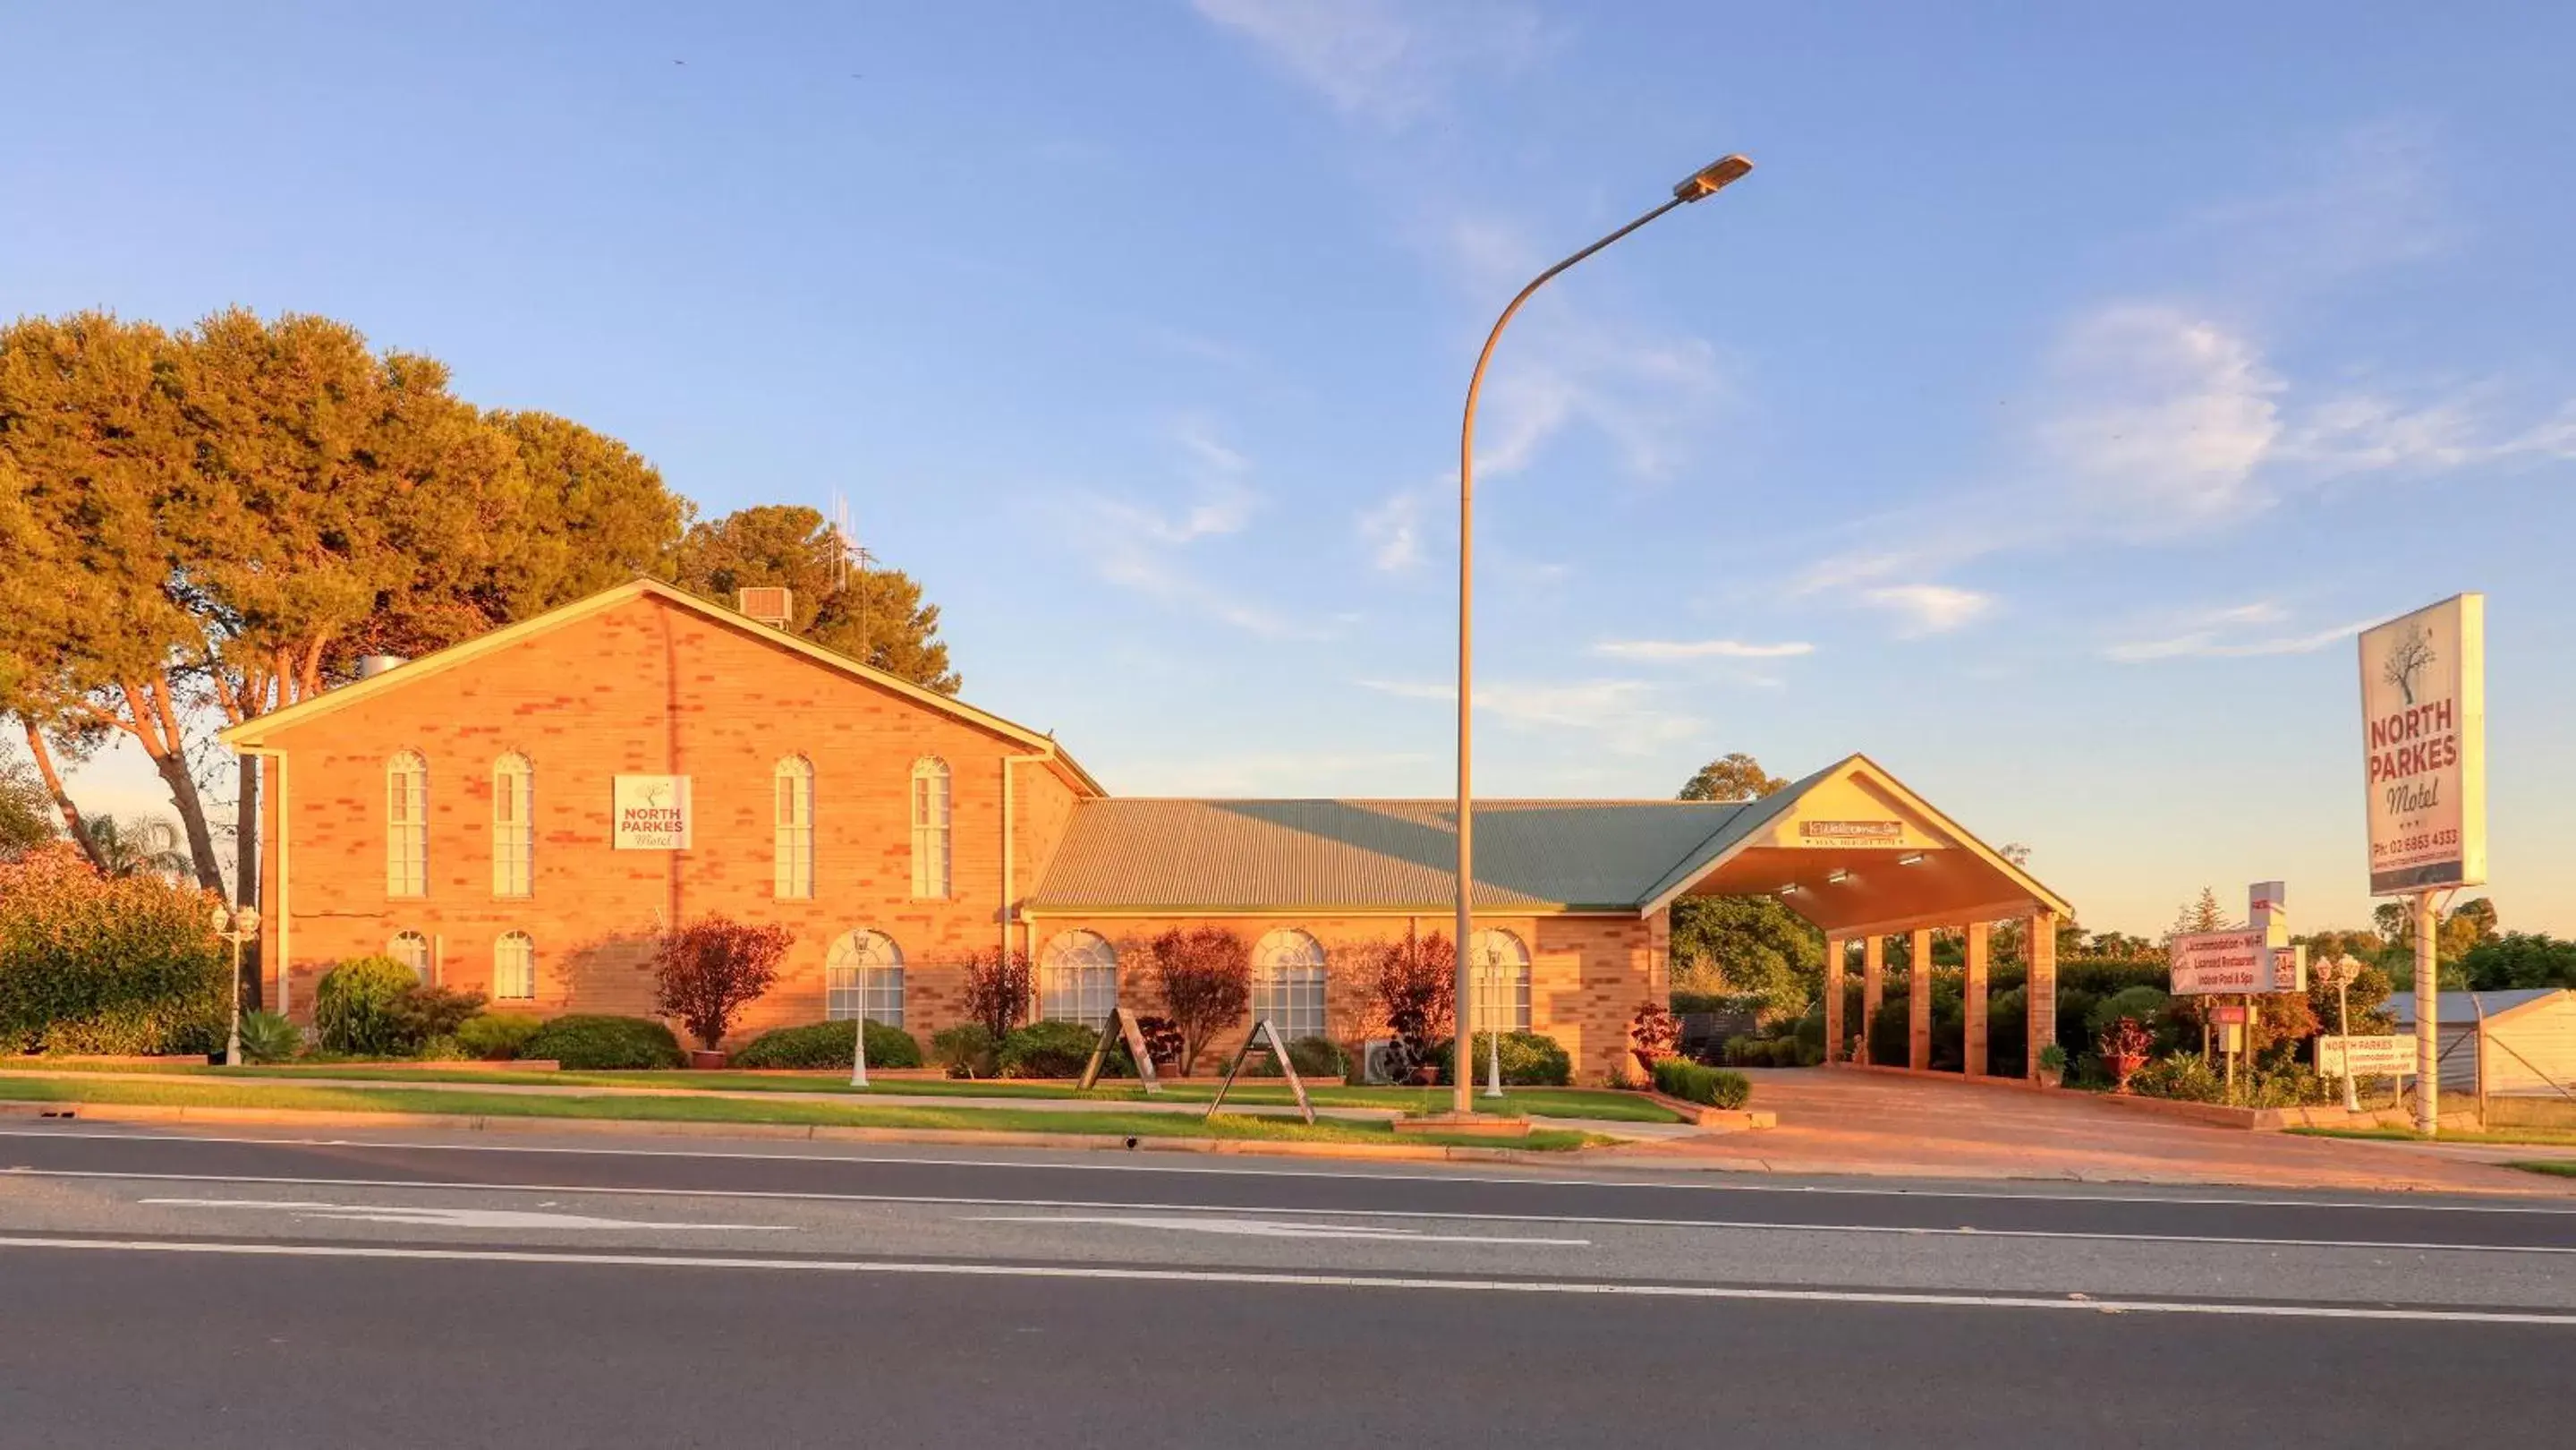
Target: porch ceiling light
[1917,859]
[1789,890]
[1838,877]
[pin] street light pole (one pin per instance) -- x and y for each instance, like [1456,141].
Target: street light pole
[1699,185]
[235,925]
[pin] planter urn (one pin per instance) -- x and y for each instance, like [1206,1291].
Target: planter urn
[707,1059]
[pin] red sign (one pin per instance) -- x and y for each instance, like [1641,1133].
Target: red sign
[2231,1014]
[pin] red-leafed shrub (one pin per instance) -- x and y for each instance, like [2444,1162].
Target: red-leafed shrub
[1205,976]
[707,971]
[1415,981]
[998,984]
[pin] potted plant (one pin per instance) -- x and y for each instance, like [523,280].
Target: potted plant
[2052,1066]
[1653,1035]
[2124,1046]
[707,971]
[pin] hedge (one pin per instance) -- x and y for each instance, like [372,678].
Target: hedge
[98,964]
[588,1043]
[1530,1059]
[828,1044]
[497,1036]
[1714,1087]
[356,1008]
[966,1050]
[1049,1049]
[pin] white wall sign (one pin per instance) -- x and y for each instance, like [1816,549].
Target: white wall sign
[2207,962]
[2371,1056]
[651,813]
[2424,738]
[1881,834]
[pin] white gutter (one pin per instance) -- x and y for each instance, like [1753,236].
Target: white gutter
[1010,890]
[277,915]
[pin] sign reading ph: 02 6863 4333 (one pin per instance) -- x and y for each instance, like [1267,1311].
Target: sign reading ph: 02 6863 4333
[2424,727]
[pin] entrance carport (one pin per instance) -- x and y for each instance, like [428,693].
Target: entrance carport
[1855,852]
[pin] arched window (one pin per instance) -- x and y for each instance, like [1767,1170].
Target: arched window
[930,879]
[514,831]
[407,825]
[1501,971]
[1078,979]
[412,950]
[514,967]
[1288,983]
[863,974]
[794,859]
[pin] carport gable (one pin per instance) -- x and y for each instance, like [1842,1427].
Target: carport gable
[1854,851]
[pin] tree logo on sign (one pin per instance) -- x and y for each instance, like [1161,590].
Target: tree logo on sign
[2409,657]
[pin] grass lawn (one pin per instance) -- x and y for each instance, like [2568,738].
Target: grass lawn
[679,1108]
[1546,1102]
[2535,1137]
[2557,1167]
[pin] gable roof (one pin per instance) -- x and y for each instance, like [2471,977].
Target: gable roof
[1186,856]
[1268,857]
[253,733]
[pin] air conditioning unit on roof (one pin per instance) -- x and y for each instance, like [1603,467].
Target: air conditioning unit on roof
[770,604]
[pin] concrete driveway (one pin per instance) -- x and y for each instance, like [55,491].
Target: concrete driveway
[1836,1121]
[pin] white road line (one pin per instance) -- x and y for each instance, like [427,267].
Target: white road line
[1434,1215]
[428,1216]
[1247,1277]
[1266,1228]
[2397,1201]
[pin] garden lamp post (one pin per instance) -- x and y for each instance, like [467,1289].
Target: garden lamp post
[1698,186]
[2341,971]
[235,924]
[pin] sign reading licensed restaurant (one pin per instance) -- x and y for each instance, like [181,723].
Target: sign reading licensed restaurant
[651,813]
[2424,736]
[2210,962]
[1851,833]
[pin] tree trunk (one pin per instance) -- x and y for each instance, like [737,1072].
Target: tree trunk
[72,821]
[156,728]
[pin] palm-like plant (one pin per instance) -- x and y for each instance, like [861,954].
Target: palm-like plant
[140,845]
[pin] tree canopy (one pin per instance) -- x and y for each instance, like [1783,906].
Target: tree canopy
[875,616]
[1746,945]
[1734,776]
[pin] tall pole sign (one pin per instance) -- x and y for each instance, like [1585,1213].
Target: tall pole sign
[2424,735]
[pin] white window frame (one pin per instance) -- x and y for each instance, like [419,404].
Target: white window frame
[514,967]
[407,825]
[863,972]
[933,810]
[412,949]
[792,842]
[1288,983]
[514,828]
[1491,953]
[1078,979]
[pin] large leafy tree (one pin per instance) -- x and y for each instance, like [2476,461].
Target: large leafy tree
[873,615]
[1749,945]
[1734,776]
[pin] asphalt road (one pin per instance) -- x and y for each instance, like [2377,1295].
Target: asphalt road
[412,1289]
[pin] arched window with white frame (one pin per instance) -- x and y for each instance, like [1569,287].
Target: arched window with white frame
[407,825]
[514,968]
[514,831]
[863,976]
[1288,983]
[930,821]
[412,950]
[793,859]
[1500,969]
[1078,979]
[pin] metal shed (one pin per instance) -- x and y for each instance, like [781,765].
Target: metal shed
[2522,1041]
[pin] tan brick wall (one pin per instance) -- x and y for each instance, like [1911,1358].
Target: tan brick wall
[646,688]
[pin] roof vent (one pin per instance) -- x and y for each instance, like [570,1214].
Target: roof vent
[370,666]
[769,604]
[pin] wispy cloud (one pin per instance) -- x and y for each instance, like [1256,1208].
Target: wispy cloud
[2227,634]
[1146,548]
[1274,772]
[1699,649]
[2369,198]
[1624,715]
[1923,609]
[1391,531]
[1386,63]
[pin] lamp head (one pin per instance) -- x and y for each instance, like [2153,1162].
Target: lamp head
[246,920]
[221,916]
[1706,181]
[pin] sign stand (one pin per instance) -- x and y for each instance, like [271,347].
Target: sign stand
[1278,1050]
[1123,1023]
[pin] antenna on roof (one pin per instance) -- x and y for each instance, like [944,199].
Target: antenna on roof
[850,563]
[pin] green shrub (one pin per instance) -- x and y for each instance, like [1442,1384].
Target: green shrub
[267,1037]
[1047,1049]
[966,1050]
[2142,1005]
[424,1015]
[497,1036]
[828,1044]
[356,1008]
[1318,1059]
[1715,1087]
[2185,1076]
[590,1043]
[90,963]
[1530,1059]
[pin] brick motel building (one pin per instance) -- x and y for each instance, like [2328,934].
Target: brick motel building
[524,813]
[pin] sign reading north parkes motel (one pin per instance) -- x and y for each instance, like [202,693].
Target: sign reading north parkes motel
[651,813]
[2424,729]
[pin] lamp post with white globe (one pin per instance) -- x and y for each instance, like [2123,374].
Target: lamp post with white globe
[235,924]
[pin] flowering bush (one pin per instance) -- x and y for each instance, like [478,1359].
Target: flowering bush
[90,963]
[1654,1031]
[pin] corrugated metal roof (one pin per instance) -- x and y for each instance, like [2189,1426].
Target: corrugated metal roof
[2457,1010]
[1379,855]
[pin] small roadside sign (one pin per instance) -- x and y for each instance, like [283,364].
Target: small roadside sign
[2366,1056]
[2228,1014]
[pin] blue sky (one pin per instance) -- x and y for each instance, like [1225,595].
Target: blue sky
[2040,418]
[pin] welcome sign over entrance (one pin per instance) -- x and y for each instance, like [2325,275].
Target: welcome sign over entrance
[650,813]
